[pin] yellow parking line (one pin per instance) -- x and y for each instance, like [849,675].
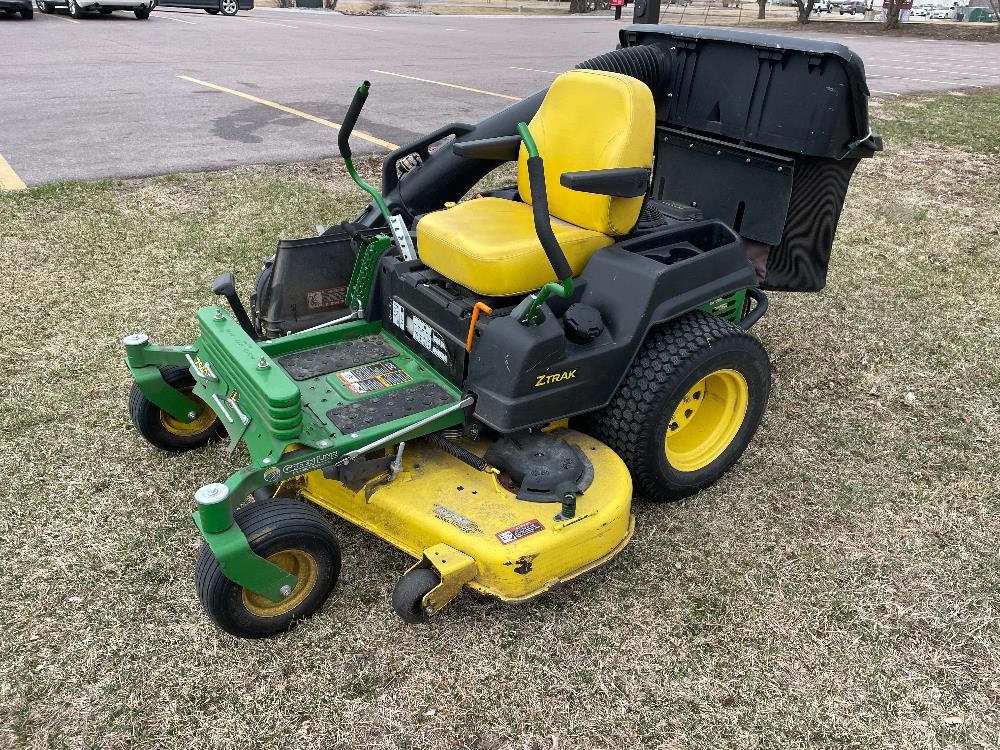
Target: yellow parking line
[450,85]
[8,177]
[62,18]
[297,112]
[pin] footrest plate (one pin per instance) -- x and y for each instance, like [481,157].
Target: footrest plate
[339,356]
[397,404]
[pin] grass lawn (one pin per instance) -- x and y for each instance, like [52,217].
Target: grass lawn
[840,588]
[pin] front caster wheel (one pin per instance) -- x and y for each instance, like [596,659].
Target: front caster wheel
[688,406]
[293,536]
[408,596]
[161,429]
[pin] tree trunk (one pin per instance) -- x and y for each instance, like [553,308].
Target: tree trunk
[995,7]
[804,10]
[891,16]
[761,9]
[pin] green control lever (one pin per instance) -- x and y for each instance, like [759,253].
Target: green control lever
[343,141]
[359,287]
[543,228]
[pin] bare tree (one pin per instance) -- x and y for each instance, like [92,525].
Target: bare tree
[891,16]
[995,7]
[805,10]
[762,8]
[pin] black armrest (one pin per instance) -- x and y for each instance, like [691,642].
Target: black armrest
[504,148]
[627,182]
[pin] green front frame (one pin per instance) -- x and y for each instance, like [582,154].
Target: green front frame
[267,414]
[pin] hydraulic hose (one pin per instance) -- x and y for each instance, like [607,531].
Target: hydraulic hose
[648,63]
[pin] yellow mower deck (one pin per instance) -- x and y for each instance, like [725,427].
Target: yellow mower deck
[472,531]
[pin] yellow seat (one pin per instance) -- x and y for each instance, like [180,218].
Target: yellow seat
[489,245]
[589,120]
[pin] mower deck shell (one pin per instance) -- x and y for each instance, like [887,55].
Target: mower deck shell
[519,548]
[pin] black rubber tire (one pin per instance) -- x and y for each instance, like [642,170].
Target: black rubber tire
[146,416]
[233,7]
[75,11]
[141,13]
[273,526]
[407,597]
[672,359]
[213,11]
[45,7]
[27,13]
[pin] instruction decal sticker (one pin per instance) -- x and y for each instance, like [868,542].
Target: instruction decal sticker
[372,378]
[514,533]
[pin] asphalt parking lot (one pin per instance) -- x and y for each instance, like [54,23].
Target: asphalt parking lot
[110,96]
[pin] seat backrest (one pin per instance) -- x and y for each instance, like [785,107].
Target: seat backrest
[591,119]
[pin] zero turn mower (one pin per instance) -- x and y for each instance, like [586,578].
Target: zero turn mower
[485,383]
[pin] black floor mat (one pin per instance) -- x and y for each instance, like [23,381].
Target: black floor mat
[394,405]
[314,362]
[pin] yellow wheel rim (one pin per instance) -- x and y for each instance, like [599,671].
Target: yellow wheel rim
[300,564]
[706,420]
[206,417]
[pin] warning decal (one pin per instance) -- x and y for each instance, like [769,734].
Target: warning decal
[374,377]
[508,536]
[323,298]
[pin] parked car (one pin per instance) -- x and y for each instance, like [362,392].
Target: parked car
[941,13]
[13,7]
[822,6]
[920,12]
[77,8]
[225,7]
[853,6]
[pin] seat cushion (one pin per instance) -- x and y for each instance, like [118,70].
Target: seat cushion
[489,245]
[591,119]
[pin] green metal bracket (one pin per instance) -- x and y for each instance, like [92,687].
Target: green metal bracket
[731,307]
[359,288]
[239,563]
[144,360]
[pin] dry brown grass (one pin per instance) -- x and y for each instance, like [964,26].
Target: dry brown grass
[838,589]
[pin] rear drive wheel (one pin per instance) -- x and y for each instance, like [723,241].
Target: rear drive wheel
[161,429]
[688,406]
[293,536]
[408,596]
[229,7]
